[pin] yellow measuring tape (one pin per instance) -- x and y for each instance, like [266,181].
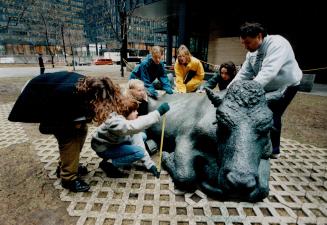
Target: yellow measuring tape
[161,141]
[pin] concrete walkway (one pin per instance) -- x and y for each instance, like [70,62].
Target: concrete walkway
[34,71]
[298,189]
[318,89]
[298,183]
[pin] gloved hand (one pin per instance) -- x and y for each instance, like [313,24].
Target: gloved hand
[153,95]
[163,108]
[200,89]
[169,91]
[154,171]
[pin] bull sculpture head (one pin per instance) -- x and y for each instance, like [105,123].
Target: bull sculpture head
[243,124]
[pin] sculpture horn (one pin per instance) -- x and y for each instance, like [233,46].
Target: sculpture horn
[215,99]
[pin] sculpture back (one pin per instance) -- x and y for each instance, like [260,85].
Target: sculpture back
[222,145]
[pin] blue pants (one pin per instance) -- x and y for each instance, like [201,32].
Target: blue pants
[278,107]
[123,155]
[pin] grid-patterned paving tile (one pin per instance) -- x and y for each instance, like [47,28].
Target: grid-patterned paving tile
[10,133]
[298,193]
[298,190]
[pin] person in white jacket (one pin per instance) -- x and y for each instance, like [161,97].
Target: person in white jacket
[271,62]
[119,139]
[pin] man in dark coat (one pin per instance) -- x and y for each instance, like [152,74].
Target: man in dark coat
[63,103]
[41,64]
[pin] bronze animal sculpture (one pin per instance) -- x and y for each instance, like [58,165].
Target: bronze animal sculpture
[220,141]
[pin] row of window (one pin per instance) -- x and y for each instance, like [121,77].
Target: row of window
[92,20]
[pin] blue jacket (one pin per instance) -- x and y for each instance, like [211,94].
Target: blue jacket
[148,71]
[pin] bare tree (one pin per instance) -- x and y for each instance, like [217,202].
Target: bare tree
[118,18]
[76,38]
[49,15]
[14,12]
[15,17]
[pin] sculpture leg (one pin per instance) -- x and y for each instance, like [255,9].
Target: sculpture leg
[180,164]
[168,162]
[263,186]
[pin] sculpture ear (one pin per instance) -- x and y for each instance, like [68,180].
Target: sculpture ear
[215,99]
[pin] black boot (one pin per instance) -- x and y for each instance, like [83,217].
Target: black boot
[82,171]
[76,185]
[111,170]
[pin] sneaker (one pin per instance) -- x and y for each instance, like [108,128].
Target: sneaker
[154,171]
[76,185]
[82,171]
[111,170]
[275,156]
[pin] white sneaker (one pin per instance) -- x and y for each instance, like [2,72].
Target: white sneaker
[275,156]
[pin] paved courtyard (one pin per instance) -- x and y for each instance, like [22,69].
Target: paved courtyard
[298,189]
[298,185]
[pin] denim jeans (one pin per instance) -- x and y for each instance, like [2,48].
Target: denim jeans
[278,108]
[123,155]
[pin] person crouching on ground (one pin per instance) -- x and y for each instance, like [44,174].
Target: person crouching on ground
[152,72]
[226,74]
[119,141]
[189,71]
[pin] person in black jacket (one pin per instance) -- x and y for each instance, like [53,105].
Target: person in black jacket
[41,64]
[63,103]
[226,74]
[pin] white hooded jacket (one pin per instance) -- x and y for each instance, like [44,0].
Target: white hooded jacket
[118,130]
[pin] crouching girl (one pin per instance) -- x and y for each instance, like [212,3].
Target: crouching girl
[119,139]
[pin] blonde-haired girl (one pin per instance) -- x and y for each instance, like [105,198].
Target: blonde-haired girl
[189,71]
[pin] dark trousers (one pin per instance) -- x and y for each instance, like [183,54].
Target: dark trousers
[278,107]
[42,69]
[157,85]
[70,139]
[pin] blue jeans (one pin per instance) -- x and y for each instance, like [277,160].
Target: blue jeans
[123,155]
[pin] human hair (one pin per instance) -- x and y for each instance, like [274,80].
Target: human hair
[230,67]
[183,50]
[134,83]
[130,89]
[102,96]
[252,30]
[127,106]
[156,50]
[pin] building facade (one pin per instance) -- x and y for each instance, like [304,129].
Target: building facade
[29,27]
[103,21]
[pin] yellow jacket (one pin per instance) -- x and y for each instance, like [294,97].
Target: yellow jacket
[182,70]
